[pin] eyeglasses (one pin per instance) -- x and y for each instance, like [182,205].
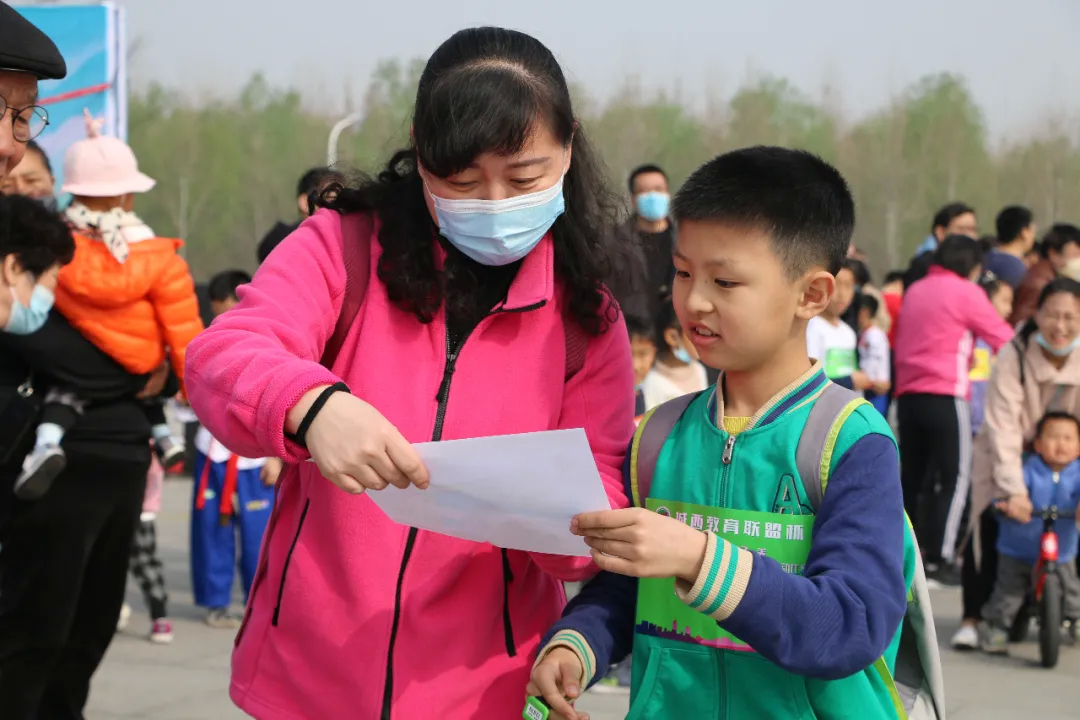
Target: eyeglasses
[26,123]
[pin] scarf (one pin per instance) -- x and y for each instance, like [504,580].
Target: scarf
[117,228]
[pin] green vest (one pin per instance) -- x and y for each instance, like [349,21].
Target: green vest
[748,490]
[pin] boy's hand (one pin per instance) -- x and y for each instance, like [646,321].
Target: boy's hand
[270,471]
[556,679]
[641,543]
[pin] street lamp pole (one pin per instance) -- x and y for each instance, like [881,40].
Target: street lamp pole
[335,133]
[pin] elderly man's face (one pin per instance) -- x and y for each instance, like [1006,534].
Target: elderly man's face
[18,90]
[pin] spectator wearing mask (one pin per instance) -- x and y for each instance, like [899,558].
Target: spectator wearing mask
[953,219]
[677,370]
[941,317]
[310,182]
[646,241]
[1015,238]
[1060,246]
[32,178]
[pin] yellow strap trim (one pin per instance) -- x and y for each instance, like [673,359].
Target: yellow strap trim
[886,677]
[830,439]
[634,446]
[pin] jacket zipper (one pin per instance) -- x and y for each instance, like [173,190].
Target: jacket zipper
[441,398]
[508,627]
[288,559]
[729,450]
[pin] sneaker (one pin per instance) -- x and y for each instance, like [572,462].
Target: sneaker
[1073,631]
[125,617]
[170,451]
[616,682]
[942,576]
[994,640]
[221,619]
[39,470]
[966,638]
[161,632]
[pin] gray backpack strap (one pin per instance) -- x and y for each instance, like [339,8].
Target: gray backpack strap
[649,440]
[814,442]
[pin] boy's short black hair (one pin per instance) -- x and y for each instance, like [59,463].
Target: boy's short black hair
[223,285]
[36,236]
[1012,221]
[950,212]
[33,147]
[642,170]
[639,329]
[959,254]
[990,283]
[798,199]
[868,303]
[895,276]
[859,269]
[1055,415]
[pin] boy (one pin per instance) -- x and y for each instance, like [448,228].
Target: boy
[231,493]
[1052,477]
[832,342]
[643,347]
[874,354]
[762,231]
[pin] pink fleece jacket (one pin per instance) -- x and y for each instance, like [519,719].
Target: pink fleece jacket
[317,639]
[941,316]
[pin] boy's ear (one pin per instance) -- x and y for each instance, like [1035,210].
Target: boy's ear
[818,287]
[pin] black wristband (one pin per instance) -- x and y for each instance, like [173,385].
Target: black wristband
[300,437]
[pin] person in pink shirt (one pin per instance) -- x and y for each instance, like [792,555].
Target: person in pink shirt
[460,293]
[941,317]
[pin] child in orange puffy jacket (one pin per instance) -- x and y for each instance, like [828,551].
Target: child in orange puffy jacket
[127,291]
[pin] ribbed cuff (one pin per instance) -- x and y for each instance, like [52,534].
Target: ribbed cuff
[575,642]
[721,584]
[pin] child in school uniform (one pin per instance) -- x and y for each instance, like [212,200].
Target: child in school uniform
[233,496]
[874,353]
[725,561]
[643,348]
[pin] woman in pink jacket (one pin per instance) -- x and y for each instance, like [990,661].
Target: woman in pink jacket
[470,276]
[940,319]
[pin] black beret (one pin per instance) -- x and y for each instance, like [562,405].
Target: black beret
[25,48]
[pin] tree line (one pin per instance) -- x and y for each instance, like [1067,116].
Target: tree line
[227,170]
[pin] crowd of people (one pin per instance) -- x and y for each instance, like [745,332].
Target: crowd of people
[725,349]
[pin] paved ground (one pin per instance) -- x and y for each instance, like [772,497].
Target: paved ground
[187,680]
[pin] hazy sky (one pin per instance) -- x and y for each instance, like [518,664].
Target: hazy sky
[1021,58]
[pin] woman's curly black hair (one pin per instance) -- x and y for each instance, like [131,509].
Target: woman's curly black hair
[36,236]
[484,90]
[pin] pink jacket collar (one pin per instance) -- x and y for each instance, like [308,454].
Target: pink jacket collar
[534,283]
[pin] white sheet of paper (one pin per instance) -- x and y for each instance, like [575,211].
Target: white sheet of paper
[514,491]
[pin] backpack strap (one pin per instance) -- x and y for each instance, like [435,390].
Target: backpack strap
[577,342]
[813,457]
[649,440]
[356,229]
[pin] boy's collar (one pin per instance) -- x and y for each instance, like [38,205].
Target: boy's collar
[802,390]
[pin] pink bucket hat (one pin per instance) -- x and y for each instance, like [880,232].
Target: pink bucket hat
[102,166]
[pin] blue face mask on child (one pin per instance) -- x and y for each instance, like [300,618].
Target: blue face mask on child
[1056,351]
[28,319]
[682,355]
[499,232]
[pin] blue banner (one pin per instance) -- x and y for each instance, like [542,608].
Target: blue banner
[91,39]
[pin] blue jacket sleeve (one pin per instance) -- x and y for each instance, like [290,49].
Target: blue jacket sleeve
[603,612]
[840,616]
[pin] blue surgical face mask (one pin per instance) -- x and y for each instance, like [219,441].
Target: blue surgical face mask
[653,205]
[682,355]
[499,232]
[1056,351]
[28,319]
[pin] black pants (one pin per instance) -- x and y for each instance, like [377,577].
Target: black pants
[978,583]
[935,449]
[63,570]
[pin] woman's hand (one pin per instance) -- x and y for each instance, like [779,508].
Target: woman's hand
[1016,507]
[357,449]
